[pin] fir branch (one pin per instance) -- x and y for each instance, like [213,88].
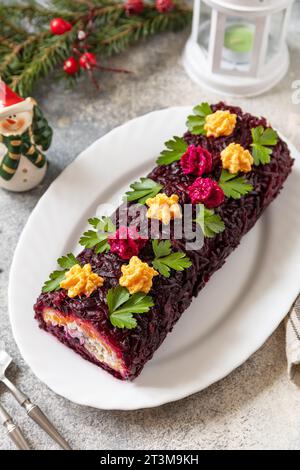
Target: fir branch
[29,51]
[70,4]
[18,48]
[7,43]
[30,12]
[86,3]
[115,40]
[6,23]
[42,63]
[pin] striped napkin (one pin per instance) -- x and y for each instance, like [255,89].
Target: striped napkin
[291,130]
[293,342]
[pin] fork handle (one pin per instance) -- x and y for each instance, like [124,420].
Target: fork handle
[19,396]
[35,413]
[41,419]
[13,431]
[16,436]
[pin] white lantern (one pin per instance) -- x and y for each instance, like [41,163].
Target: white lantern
[237,47]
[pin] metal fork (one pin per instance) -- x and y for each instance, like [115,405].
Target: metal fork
[13,430]
[33,411]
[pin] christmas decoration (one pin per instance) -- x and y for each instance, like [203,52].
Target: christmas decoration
[35,40]
[87,60]
[71,66]
[81,36]
[60,26]
[231,48]
[164,5]
[134,7]
[24,136]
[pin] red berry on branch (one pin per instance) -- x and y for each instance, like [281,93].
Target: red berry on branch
[163,6]
[60,26]
[134,7]
[88,60]
[71,66]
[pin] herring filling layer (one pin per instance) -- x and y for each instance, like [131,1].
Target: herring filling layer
[87,336]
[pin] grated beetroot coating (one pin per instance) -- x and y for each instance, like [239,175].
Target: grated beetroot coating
[173,295]
[196,161]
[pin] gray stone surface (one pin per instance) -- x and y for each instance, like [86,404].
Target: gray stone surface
[256,406]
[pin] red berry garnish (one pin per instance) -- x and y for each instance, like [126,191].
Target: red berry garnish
[87,60]
[163,5]
[206,191]
[71,66]
[60,26]
[126,242]
[134,7]
[196,161]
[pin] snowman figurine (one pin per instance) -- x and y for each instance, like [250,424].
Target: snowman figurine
[24,136]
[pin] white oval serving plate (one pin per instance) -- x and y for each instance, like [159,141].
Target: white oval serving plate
[231,318]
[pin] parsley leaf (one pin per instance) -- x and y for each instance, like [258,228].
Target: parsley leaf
[174,151]
[195,122]
[234,186]
[67,261]
[92,239]
[94,221]
[105,224]
[123,320]
[56,277]
[122,306]
[210,223]
[264,136]
[177,261]
[116,297]
[262,140]
[165,259]
[142,190]
[98,239]
[161,248]
[137,303]
[261,154]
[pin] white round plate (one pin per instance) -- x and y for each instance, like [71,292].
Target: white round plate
[231,318]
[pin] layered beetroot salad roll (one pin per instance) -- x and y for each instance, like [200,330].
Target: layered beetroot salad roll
[115,302]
